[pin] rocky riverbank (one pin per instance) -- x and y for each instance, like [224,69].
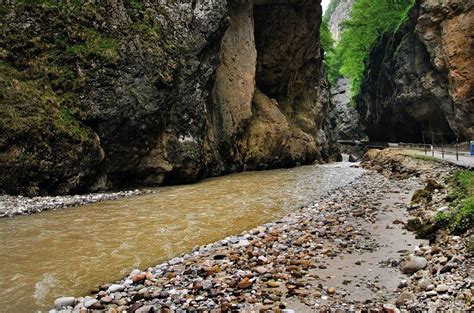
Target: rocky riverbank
[18,205]
[349,250]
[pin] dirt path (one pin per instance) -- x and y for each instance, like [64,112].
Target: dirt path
[372,274]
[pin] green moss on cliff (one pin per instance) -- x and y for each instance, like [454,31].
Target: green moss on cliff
[61,63]
[94,43]
[30,109]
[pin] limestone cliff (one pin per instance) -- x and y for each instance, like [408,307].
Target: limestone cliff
[420,79]
[133,93]
[341,13]
[345,119]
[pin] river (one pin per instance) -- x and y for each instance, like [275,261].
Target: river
[68,252]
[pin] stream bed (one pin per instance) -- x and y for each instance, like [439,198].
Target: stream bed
[68,252]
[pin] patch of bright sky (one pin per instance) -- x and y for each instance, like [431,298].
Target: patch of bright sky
[325,4]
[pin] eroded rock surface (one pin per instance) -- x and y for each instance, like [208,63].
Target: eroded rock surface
[344,117]
[146,93]
[417,80]
[340,14]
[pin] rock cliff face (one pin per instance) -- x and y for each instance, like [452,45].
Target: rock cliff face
[419,79]
[140,93]
[341,13]
[345,119]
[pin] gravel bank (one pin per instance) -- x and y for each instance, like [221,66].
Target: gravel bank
[18,205]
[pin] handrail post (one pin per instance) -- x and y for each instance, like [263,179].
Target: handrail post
[457,149]
[424,143]
[432,144]
[442,145]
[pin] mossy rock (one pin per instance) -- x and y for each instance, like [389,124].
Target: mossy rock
[432,185]
[421,196]
[423,230]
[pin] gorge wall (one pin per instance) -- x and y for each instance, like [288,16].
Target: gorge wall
[344,117]
[140,93]
[420,79]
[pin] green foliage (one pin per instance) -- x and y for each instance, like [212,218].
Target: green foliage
[370,20]
[464,218]
[461,186]
[72,125]
[330,57]
[442,217]
[46,3]
[326,38]
[52,3]
[461,217]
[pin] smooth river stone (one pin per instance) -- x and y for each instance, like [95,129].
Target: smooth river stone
[64,302]
[116,287]
[413,265]
[90,303]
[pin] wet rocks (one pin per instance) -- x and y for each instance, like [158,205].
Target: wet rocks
[138,277]
[353,158]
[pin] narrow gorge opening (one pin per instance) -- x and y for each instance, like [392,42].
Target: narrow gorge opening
[269,95]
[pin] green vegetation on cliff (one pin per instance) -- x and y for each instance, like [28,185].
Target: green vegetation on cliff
[53,56]
[461,216]
[45,69]
[370,20]
[330,58]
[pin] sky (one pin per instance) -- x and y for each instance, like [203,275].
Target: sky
[324,4]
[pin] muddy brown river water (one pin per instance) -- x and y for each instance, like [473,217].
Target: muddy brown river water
[68,252]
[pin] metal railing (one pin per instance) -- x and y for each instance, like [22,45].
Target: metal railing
[437,142]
